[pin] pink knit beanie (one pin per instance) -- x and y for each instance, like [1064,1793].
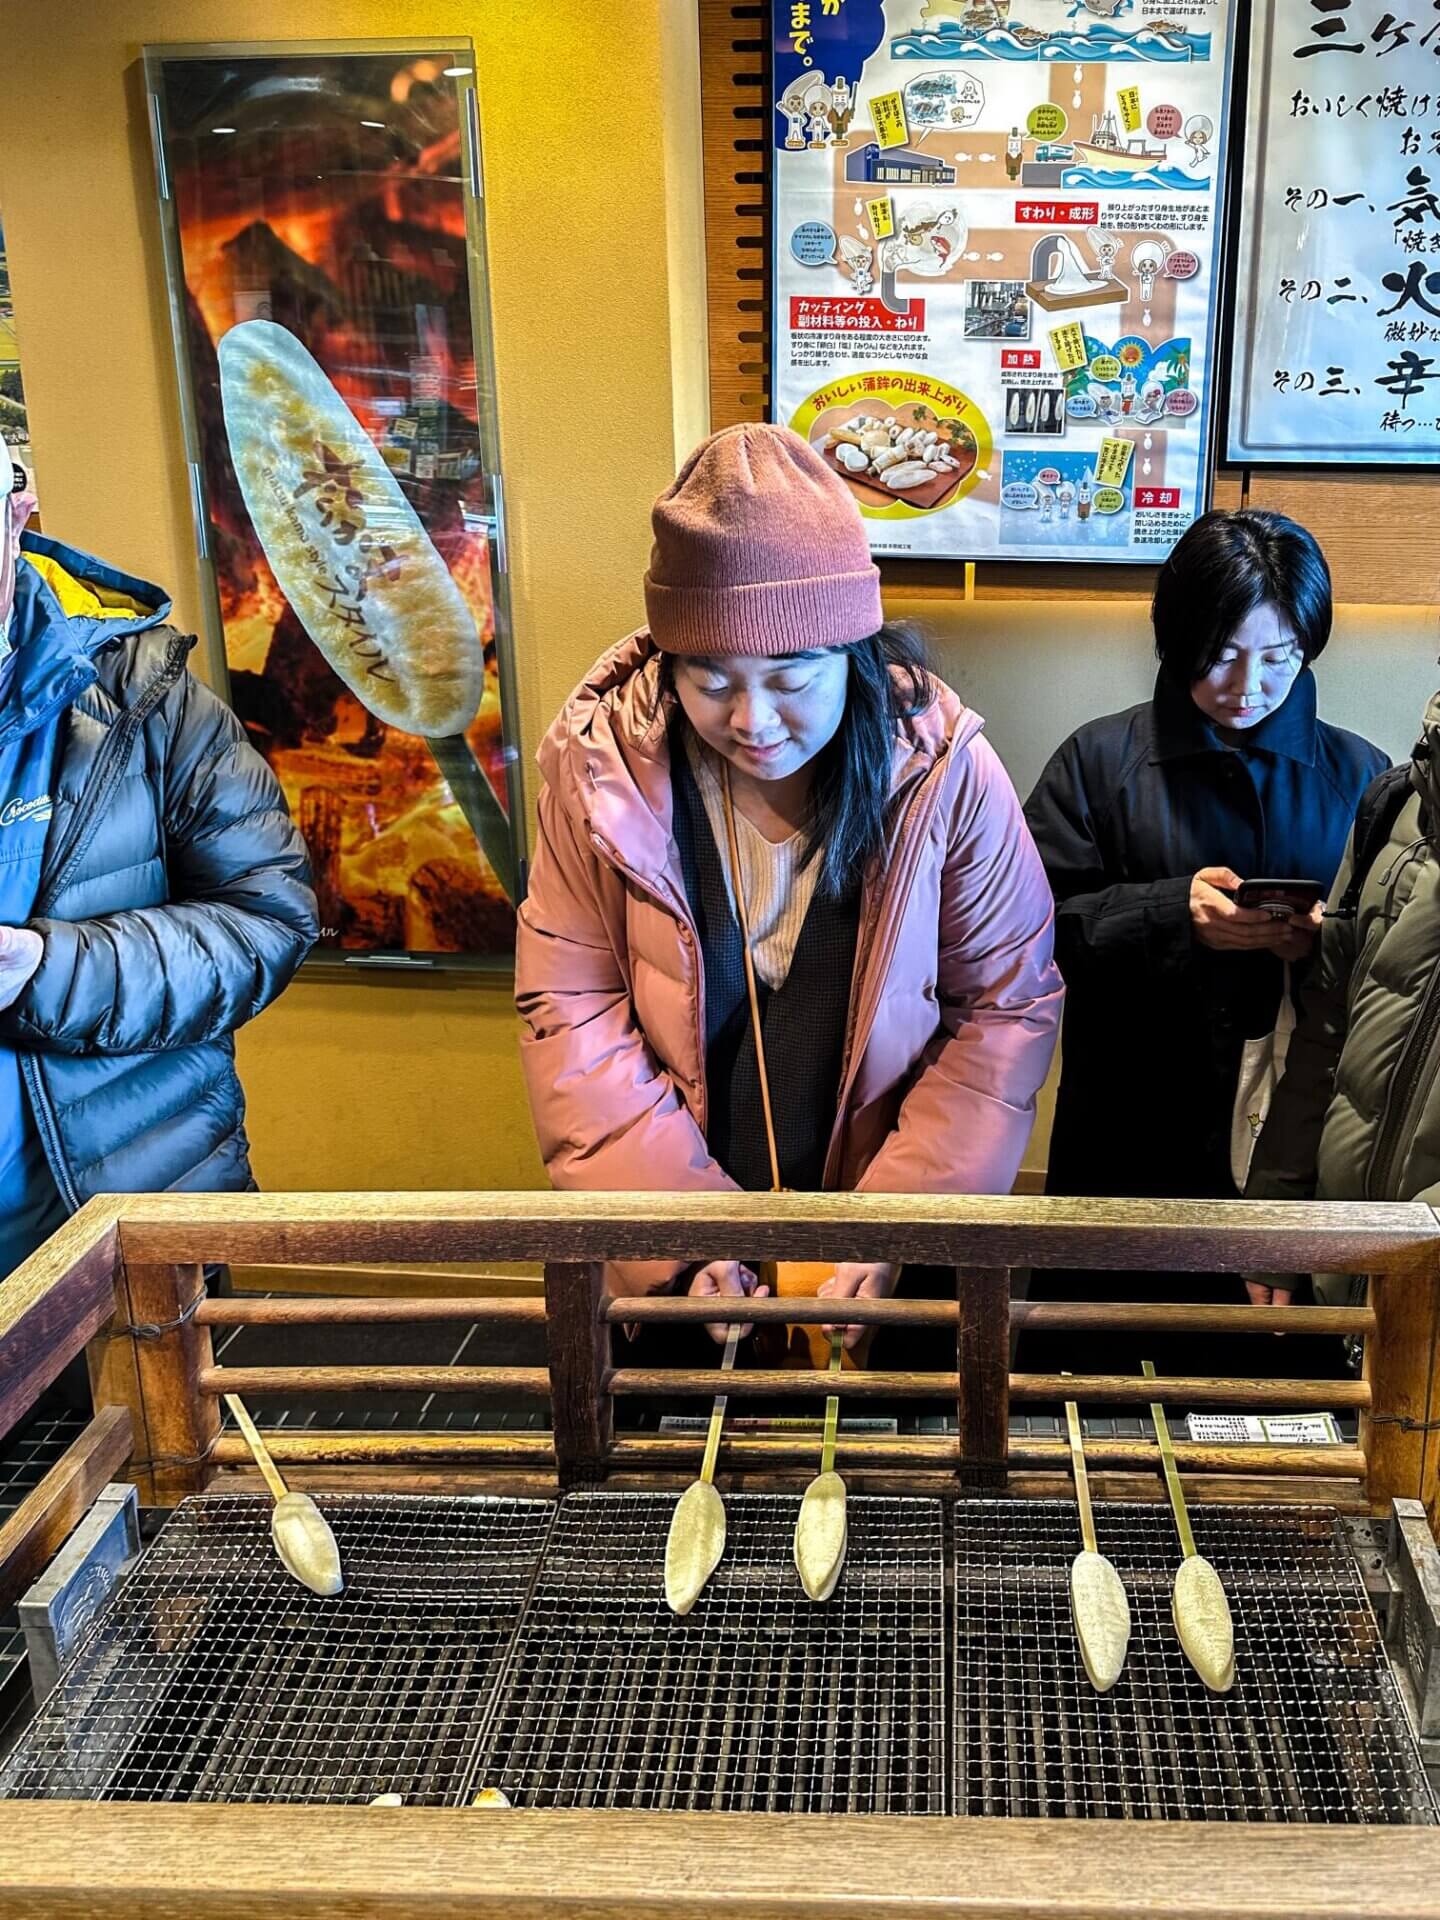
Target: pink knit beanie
[759,549]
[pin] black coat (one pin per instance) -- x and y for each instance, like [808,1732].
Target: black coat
[1128,810]
[1126,813]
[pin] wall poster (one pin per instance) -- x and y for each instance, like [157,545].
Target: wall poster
[1337,350]
[997,232]
[325,247]
[14,418]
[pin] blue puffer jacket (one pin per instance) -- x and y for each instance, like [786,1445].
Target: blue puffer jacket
[174,898]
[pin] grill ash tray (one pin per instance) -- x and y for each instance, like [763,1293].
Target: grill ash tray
[1313,1731]
[758,1700]
[212,1675]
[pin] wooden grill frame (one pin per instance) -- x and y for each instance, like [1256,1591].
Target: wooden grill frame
[124,1278]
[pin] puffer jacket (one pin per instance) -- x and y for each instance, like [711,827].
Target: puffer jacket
[174,898]
[1357,1115]
[955,1003]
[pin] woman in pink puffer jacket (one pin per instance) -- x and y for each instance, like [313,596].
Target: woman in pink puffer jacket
[900,920]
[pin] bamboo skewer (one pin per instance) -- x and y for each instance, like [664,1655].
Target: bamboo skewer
[1199,1603]
[820,1531]
[1097,1594]
[696,1543]
[301,1533]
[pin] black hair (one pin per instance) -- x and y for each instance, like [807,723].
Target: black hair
[1222,568]
[849,806]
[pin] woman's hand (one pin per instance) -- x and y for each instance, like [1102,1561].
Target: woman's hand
[1263,1293]
[1216,921]
[727,1277]
[1295,937]
[854,1279]
[21,951]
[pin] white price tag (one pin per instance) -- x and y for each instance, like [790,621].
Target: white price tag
[1275,1429]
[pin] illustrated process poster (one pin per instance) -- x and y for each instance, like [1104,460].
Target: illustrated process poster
[997,224]
[1338,343]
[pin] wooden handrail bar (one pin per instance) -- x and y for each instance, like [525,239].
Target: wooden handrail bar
[948,1230]
[328,1310]
[533,1382]
[1177,1392]
[1067,1315]
[681,1453]
[297,1447]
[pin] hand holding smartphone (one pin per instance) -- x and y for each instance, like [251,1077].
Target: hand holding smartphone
[1282,899]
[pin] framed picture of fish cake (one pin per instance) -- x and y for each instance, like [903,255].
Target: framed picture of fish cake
[323,217]
[1336,357]
[996,266]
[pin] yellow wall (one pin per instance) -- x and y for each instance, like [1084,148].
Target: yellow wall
[591,141]
[386,1083]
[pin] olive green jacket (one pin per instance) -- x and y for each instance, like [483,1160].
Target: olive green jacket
[1357,1114]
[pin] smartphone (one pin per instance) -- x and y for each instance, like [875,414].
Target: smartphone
[1279,897]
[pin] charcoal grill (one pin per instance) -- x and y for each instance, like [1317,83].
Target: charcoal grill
[1313,1731]
[758,1701]
[214,1676]
[519,1639]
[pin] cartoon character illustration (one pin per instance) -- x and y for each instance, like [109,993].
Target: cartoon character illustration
[793,108]
[1198,132]
[859,262]
[820,105]
[929,241]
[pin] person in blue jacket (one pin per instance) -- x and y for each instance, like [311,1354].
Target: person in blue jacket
[1147,821]
[154,895]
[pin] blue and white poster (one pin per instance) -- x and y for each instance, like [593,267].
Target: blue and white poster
[997,224]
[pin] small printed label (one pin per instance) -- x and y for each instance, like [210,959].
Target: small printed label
[1067,343]
[1274,1429]
[882,217]
[1113,462]
[887,112]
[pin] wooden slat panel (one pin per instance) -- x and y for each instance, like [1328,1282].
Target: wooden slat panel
[49,1513]
[97,1860]
[1377,529]
[53,1303]
[944,1230]
[734,70]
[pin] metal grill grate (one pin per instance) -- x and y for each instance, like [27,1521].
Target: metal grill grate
[1314,1729]
[213,1676]
[758,1700]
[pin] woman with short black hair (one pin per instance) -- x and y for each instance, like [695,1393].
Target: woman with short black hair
[1147,822]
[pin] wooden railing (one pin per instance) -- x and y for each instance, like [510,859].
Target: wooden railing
[125,1277]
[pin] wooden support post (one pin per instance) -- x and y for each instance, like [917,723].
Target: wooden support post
[581,1409]
[984,1362]
[1400,1366]
[156,1374]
